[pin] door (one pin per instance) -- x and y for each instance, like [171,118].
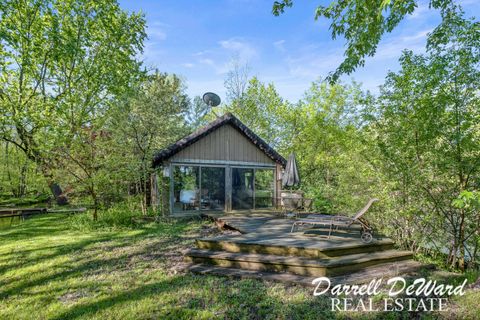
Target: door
[264,188]
[242,188]
[212,188]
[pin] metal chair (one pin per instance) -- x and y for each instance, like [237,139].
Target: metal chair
[334,222]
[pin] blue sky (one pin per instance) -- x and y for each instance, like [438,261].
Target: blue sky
[199,39]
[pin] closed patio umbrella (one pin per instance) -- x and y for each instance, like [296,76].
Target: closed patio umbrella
[291,177]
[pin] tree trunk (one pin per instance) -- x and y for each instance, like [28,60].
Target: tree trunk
[154,194]
[93,194]
[461,243]
[55,188]
[22,187]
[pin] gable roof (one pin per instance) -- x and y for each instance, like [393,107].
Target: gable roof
[227,118]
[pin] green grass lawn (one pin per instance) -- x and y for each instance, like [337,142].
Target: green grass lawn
[48,270]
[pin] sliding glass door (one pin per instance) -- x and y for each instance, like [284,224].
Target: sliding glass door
[264,188]
[252,188]
[198,188]
[213,188]
[242,188]
[186,188]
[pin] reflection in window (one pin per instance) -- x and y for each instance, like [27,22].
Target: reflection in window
[213,188]
[186,188]
[203,188]
[242,188]
[264,188]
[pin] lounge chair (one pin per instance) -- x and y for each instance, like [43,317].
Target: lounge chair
[334,222]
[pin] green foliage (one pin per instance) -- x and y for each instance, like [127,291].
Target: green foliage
[116,217]
[76,108]
[261,108]
[38,200]
[428,135]
[18,175]
[362,23]
[331,150]
[145,122]
[197,113]
[50,271]
[62,66]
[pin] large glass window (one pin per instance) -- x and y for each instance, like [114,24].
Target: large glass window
[242,188]
[212,188]
[264,188]
[252,188]
[198,188]
[203,188]
[186,188]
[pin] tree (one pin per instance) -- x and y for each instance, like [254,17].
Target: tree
[332,154]
[262,109]
[429,137]
[362,23]
[197,115]
[62,64]
[85,159]
[18,175]
[236,81]
[144,123]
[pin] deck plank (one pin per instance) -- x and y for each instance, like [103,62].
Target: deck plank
[387,270]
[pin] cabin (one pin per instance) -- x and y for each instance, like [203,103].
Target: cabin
[223,166]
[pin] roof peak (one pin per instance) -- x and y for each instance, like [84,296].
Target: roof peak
[227,118]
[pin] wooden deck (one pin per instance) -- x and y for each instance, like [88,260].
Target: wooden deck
[267,246]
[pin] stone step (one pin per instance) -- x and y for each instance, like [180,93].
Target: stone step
[298,265]
[313,247]
[385,270]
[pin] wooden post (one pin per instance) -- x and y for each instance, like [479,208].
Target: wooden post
[228,189]
[278,184]
[171,193]
[155,195]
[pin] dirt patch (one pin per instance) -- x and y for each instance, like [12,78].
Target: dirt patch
[73,296]
[476,285]
[232,233]
[209,230]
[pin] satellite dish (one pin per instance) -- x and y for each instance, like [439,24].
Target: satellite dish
[211,99]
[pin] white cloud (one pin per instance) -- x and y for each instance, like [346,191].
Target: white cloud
[188,65]
[219,58]
[393,48]
[156,34]
[207,61]
[244,50]
[201,53]
[152,51]
[420,12]
[156,31]
[313,62]
[279,45]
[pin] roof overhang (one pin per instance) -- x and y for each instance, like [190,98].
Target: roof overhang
[228,118]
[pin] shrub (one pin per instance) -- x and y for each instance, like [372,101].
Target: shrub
[120,215]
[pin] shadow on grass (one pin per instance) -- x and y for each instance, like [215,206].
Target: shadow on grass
[166,297]
[208,297]
[88,251]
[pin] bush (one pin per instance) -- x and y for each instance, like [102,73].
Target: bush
[118,216]
[8,200]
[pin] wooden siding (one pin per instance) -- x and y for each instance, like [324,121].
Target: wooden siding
[224,144]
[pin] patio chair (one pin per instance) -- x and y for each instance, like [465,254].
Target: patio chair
[189,199]
[334,222]
[290,206]
[306,207]
[291,203]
